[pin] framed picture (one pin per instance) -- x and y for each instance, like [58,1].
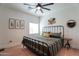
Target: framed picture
[22,24]
[51,21]
[11,23]
[17,24]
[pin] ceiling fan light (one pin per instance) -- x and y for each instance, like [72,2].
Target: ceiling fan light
[38,8]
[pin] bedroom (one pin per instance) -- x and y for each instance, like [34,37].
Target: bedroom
[11,37]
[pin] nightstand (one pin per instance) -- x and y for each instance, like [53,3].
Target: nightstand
[67,42]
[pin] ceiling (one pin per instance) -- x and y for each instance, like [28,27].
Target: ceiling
[24,8]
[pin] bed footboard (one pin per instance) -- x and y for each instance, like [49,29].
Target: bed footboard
[40,48]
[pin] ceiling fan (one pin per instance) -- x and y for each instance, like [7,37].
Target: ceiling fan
[39,6]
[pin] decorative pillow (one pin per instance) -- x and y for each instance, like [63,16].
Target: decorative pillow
[57,35]
[46,34]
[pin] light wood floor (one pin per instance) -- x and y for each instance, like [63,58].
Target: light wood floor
[20,51]
[68,52]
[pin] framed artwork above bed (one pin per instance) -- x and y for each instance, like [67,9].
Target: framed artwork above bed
[51,21]
[11,23]
[17,24]
[22,24]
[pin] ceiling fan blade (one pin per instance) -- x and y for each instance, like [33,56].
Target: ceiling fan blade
[45,8]
[28,4]
[48,4]
[30,7]
[41,10]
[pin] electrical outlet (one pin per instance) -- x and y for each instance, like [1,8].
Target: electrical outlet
[2,49]
[10,41]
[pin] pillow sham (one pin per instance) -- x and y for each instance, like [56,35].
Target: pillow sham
[51,35]
[46,34]
[57,35]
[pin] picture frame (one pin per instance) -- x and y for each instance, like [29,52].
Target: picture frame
[11,23]
[17,24]
[22,24]
[51,21]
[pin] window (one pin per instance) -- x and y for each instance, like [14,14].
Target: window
[33,28]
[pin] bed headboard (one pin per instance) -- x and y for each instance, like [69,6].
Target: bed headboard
[54,29]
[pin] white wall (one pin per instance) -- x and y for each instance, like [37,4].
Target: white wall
[62,16]
[16,35]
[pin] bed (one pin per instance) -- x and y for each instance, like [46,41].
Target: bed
[45,46]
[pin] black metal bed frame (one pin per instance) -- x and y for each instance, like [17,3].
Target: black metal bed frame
[39,47]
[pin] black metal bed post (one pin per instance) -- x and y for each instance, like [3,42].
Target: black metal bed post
[63,36]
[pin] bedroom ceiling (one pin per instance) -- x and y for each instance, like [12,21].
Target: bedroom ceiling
[24,8]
